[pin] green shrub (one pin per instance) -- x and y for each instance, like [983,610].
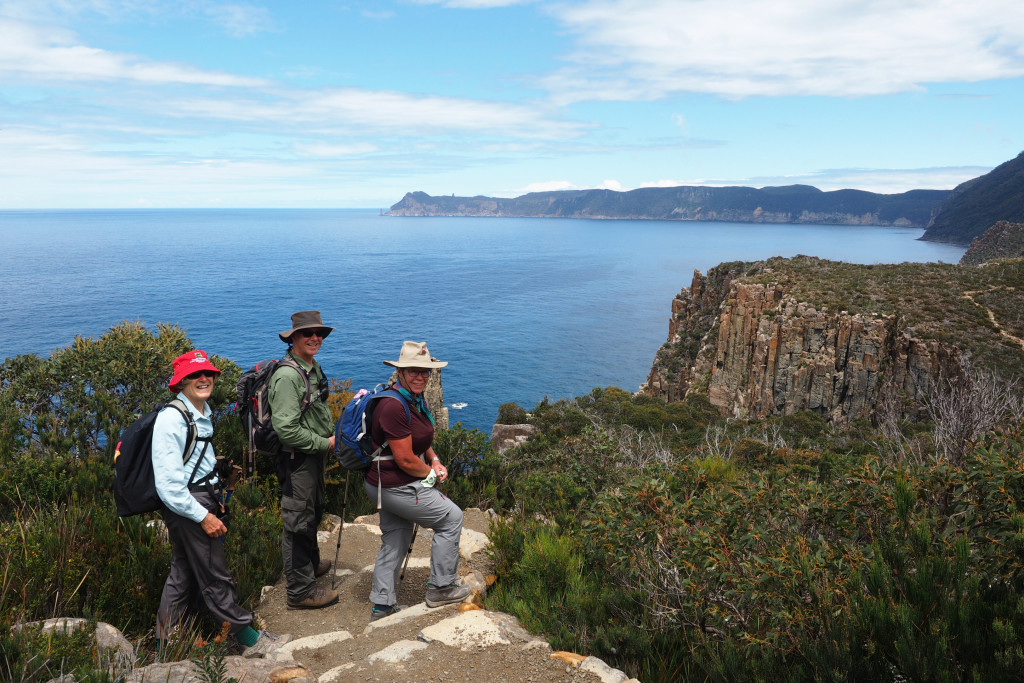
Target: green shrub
[30,655]
[80,399]
[511,414]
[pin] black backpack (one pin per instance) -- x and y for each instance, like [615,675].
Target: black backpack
[253,406]
[134,484]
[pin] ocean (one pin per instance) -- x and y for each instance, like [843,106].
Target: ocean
[522,308]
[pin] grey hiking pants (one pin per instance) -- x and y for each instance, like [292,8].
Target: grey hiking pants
[199,568]
[302,508]
[401,508]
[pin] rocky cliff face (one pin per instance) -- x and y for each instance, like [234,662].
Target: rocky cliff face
[756,351]
[1002,240]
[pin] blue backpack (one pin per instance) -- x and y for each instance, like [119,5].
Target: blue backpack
[353,448]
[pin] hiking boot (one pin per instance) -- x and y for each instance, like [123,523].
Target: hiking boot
[447,595]
[321,597]
[394,609]
[266,644]
[322,568]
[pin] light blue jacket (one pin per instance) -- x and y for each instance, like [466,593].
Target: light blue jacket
[170,473]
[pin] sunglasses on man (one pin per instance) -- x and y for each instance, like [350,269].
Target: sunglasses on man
[305,334]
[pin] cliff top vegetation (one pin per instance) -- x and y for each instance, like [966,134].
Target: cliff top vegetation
[979,310]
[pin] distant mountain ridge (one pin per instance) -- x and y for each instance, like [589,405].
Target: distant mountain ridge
[976,205]
[786,204]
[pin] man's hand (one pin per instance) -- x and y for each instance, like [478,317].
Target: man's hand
[213,527]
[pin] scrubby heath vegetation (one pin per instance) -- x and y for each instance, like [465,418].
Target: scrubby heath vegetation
[680,546]
[668,541]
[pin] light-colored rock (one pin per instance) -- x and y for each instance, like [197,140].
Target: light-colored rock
[468,630]
[333,674]
[286,652]
[248,670]
[606,673]
[472,542]
[406,614]
[398,651]
[504,437]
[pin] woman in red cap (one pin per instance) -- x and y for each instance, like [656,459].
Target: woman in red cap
[189,488]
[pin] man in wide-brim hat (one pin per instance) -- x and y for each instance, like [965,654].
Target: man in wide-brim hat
[305,427]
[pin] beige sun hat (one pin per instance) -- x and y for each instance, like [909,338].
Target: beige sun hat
[415,355]
[304,320]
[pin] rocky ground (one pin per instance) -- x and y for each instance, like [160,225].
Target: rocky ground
[456,643]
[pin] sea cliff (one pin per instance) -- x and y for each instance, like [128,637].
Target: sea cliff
[783,335]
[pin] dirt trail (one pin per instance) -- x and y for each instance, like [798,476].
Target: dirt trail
[420,644]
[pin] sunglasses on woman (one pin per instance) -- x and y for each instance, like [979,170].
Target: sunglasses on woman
[201,373]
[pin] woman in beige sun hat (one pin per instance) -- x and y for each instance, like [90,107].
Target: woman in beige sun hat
[406,490]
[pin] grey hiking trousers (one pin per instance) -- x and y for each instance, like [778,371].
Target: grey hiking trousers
[401,508]
[199,568]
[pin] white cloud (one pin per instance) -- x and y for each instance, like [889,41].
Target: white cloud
[381,110]
[330,151]
[883,180]
[473,4]
[546,186]
[241,20]
[644,49]
[33,53]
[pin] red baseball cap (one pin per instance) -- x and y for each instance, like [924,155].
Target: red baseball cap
[190,362]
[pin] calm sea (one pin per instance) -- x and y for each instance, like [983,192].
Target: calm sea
[521,308]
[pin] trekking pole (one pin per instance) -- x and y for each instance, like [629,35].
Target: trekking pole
[337,550]
[408,554]
[250,460]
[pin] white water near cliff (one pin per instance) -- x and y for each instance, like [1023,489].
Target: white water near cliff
[521,308]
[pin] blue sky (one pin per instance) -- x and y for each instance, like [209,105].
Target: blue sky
[345,103]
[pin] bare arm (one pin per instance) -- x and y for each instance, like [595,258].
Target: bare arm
[414,465]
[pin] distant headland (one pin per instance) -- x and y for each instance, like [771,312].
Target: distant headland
[958,216]
[788,204]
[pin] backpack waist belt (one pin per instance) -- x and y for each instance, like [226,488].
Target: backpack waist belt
[206,483]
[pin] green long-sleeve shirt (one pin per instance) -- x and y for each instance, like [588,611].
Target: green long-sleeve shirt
[306,432]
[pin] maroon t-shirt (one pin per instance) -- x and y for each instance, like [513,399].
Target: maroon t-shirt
[389,422]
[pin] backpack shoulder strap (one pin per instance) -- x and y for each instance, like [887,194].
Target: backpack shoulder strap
[193,431]
[307,400]
[394,394]
[191,438]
